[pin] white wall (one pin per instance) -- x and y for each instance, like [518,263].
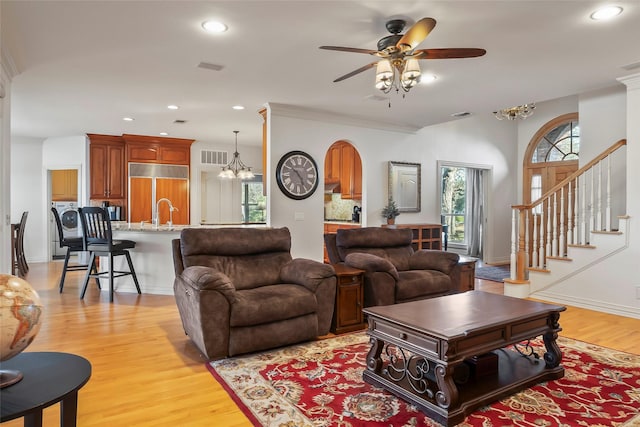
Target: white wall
[603,121]
[475,140]
[7,71]
[26,194]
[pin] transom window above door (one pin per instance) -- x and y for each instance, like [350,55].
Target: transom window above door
[559,144]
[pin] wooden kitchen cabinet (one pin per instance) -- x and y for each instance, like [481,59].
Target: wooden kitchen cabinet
[347,314]
[107,173]
[351,175]
[151,149]
[333,164]
[64,185]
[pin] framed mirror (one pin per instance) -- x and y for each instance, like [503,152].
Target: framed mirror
[404,185]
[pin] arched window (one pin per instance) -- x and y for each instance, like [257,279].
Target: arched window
[551,156]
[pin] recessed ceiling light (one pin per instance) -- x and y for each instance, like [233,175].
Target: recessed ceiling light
[164,133]
[238,107]
[214,27]
[128,119]
[606,12]
[172,107]
[428,78]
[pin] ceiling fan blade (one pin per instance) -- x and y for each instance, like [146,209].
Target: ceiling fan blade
[448,53]
[349,49]
[354,72]
[416,34]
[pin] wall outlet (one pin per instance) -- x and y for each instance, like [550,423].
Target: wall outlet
[298,216]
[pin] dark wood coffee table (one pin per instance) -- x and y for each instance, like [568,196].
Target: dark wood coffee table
[434,350]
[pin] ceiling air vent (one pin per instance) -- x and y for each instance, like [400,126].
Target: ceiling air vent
[213,157]
[210,66]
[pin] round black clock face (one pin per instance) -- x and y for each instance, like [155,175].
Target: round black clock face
[297,175]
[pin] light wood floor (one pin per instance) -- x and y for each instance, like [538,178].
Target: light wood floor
[147,373]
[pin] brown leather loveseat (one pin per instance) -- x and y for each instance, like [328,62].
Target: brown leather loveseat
[238,290]
[394,272]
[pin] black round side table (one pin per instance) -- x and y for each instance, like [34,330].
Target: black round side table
[48,378]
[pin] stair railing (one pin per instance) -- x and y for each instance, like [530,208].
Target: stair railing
[563,216]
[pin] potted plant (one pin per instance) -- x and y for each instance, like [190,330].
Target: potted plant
[390,212]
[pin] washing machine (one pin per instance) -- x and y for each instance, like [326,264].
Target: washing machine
[70,220]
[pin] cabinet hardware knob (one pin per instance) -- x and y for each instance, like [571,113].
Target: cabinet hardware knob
[403,336]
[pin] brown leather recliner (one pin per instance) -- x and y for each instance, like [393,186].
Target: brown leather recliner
[238,290]
[394,272]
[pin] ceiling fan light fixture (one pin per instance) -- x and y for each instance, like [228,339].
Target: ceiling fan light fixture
[410,74]
[384,75]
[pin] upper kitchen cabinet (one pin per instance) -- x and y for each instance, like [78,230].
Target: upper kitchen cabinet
[64,185]
[333,164]
[350,173]
[151,149]
[107,168]
[343,168]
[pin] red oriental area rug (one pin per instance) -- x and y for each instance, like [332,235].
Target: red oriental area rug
[320,384]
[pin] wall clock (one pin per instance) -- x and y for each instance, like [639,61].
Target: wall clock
[297,175]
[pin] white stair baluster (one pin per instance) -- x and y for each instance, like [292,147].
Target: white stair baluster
[534,253]
[514,229]
[607,217]
[561,238]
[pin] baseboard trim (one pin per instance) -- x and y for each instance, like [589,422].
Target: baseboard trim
[620,310]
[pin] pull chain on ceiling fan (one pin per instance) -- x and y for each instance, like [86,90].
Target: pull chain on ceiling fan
[398,66]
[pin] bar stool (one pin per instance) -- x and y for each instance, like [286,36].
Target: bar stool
[73,244]
[96,228]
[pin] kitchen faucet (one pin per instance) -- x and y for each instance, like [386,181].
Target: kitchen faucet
[171,209]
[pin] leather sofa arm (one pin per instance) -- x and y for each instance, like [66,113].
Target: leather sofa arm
[371,263]
[433,260]
[306,272]
[207,279]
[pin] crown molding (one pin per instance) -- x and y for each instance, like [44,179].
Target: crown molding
[632,81]
[297,112]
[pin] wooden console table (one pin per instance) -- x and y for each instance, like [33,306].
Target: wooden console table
[431,343]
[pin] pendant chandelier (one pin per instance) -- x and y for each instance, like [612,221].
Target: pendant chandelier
[236,168]
[513,113]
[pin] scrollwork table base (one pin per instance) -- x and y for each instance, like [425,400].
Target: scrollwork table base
[420,350]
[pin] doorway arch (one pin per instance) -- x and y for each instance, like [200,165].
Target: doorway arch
[343,182]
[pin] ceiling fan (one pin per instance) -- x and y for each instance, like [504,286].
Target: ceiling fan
[398,64]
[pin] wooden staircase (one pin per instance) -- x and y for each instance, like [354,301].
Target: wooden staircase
[568,229]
